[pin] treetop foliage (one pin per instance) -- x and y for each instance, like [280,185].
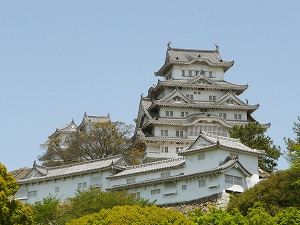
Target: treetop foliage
[97,141]
[253,135]
[293,146]
[11,211]
[279,191]
[256,215]
[85,202]
[134,215]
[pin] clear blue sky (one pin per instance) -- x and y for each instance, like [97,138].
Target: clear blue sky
[59,59]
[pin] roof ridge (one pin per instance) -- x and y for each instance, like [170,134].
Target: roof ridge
[192,50]
[84,162]
[155,163]
[221,137]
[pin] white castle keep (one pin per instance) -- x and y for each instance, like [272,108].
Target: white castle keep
[184,122]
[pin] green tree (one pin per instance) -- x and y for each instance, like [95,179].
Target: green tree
[11,211]
[288,216]
[97,141]
[279,191]
[293,146]
[134,215]
[257,215]
[46,211]
[93,200]
[253,135]
[217,217]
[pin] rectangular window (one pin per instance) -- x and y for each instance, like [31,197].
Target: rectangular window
[164,132]
[183,114]
[211,74]
[223,115]
[237,116]
[183,187]
[176,99]
[190,73]
[229,179]
[229,101]
[179,133]
[164,149]
[32,194]
[202,183]
[155,191]
[190,96]
[169,113]
[178,148]
[183,73]
[165,174]
[137,194]
[130,180]
[84,184]
[56,189]
[201,156]
[79,185]
[212,98]
[198,72]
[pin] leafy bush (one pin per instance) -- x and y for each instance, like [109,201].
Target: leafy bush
[281,190]
[46,211]
[11,211]
[255,215]
[133,215]
[93,200]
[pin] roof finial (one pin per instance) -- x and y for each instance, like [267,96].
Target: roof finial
[34,163]
[169,44]
[217,47]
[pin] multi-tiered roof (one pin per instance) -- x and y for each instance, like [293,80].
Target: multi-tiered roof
[194,94]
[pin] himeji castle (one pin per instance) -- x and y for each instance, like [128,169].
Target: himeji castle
[192,96]
[184,121]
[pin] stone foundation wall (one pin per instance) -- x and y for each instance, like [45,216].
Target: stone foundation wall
[218,200]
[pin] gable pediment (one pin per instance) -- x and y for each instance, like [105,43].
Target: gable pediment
[200,143]
[202,79]
[176,96]
[33,173]
[230,99]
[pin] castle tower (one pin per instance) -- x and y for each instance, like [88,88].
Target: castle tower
[191,97]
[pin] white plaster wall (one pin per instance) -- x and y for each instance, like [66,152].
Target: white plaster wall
[177,74]
[67,186]
[146,176]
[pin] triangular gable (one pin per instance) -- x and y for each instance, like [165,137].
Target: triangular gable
[202,79]
[200,142]
[35,172]
[176,96]
[70,127]
[236,165]
[230,99]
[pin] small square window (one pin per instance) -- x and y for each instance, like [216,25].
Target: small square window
[201,156]
[155,191]
[183,187]
[202,183]
[56,189]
